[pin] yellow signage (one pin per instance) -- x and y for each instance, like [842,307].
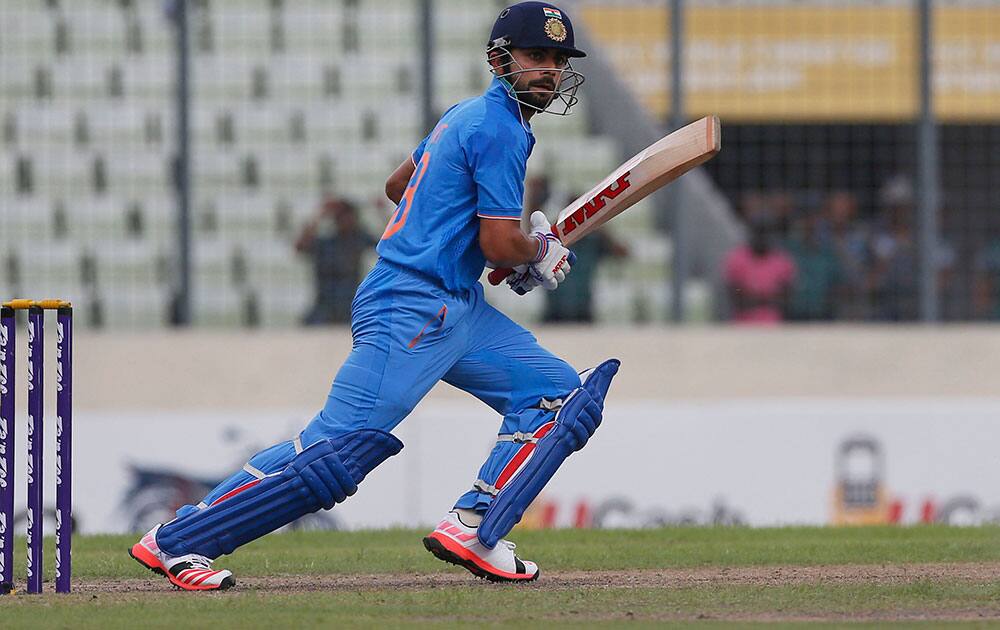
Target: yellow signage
[807,63]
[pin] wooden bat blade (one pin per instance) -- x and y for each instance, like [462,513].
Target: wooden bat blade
[651,169]
[646,172]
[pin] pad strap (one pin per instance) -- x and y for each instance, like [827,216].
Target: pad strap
[253,470]
[485,487]
[518,437]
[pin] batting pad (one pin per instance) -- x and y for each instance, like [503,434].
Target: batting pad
[575,422]
[319,477]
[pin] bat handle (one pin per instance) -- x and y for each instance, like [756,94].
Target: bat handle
[499,275]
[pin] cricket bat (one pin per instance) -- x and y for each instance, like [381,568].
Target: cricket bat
[651,169]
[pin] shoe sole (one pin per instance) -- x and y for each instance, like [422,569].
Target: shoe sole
[441,552]
[143,557]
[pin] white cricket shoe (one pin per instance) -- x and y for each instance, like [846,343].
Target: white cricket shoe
[455,542]
[190,572]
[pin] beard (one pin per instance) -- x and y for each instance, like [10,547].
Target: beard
[537,99]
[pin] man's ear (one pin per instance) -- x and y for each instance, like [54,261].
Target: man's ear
[493,58]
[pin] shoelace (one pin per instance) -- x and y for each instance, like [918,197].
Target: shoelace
[200,562]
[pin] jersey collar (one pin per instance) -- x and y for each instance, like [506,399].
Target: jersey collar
[499,91]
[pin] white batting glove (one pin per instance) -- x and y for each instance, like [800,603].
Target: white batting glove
[521,281]
[552,264]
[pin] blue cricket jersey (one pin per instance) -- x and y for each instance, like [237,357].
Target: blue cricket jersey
[471,165]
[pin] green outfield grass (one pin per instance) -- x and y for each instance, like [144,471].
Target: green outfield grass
[400,551]
[271,595]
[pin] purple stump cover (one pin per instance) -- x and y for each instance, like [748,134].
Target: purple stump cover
[36,444]
[8,336]
[64,450]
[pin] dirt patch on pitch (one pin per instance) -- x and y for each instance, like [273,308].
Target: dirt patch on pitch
[658,578]
[563,580]
[775,576]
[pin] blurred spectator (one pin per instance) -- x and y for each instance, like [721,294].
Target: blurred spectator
[895,271]
[781,210]
[851,242]
[573,301]
[817,270]
[753,205]
[775,207]
[759,277]
[986,281]
[336,243]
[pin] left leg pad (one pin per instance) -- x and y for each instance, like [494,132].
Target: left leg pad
[573,426]
[319,477]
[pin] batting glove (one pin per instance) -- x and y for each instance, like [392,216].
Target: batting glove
[552,263]
[521,281]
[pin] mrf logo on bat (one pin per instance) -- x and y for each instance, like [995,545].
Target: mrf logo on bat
[597,202]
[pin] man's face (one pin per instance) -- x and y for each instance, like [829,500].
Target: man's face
[540,75]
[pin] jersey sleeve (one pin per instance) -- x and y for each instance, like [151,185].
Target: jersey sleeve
[419,151]
[498,166]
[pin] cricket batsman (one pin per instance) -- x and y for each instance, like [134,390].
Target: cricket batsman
[420,317]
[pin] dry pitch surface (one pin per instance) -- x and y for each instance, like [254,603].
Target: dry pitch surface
[927,575]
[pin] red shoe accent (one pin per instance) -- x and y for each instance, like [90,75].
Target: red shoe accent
[468,556]
[188,575]
[448,528]
[145,558]
[198,581]
[151,562]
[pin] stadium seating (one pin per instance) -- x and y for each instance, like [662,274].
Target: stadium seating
[291,100]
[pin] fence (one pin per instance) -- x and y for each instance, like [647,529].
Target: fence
[858,161]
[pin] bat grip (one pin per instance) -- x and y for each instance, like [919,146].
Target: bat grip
[499,275]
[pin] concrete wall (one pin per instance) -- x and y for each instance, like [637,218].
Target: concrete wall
[259,370]
[724,415]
